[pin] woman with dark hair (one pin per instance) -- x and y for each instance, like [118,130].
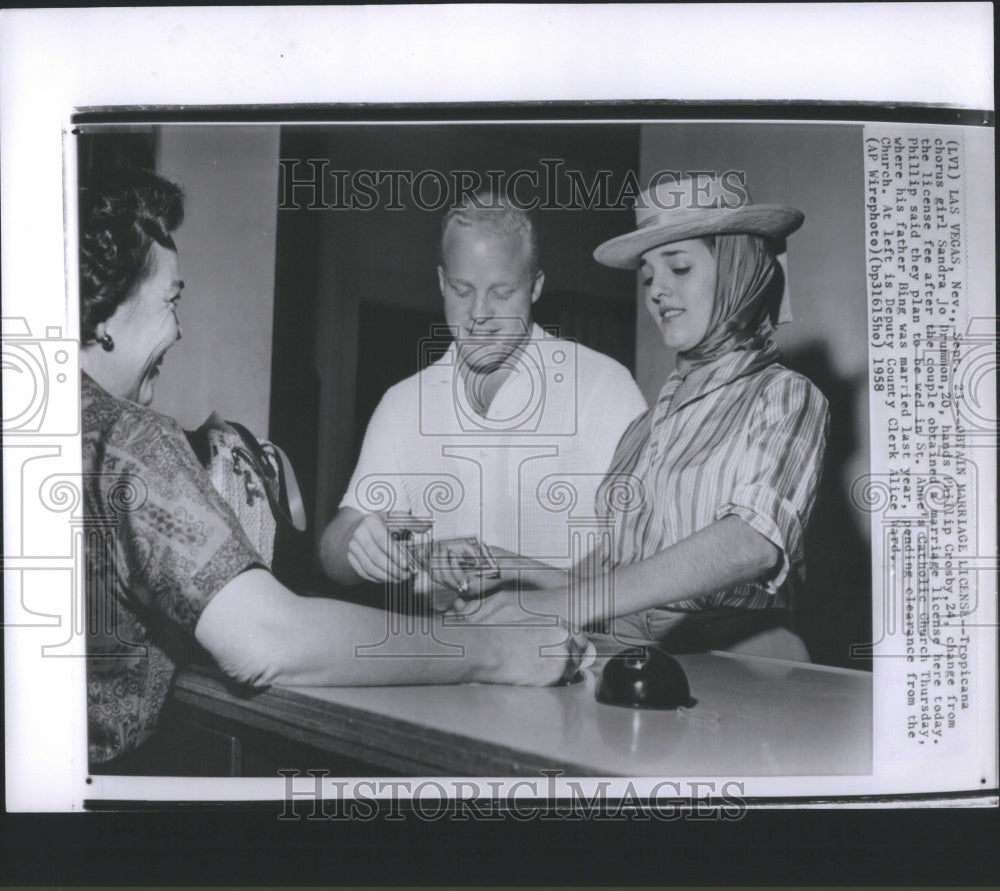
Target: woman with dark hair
[169,569]
[125,243]
[710,490]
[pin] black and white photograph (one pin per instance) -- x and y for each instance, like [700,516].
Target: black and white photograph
[478,337]
[396,449]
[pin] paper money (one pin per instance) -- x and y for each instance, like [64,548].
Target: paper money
[471,555]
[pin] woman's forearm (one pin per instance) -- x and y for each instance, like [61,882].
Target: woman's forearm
[725,554]
[260,633]
[718,557]
[517,570]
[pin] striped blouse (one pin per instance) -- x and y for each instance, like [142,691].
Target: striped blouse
[746,441]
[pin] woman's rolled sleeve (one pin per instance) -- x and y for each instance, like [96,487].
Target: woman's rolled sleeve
[777,474]
[774,518]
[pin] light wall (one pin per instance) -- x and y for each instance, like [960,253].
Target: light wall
[226,248]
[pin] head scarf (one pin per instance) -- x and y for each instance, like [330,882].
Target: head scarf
[748,288]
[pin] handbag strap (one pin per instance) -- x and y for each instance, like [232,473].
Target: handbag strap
[290,486]
[256,455]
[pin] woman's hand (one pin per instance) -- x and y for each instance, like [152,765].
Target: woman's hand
[506,615]
[516,629]
[442,594]
[528,653]
[454,574]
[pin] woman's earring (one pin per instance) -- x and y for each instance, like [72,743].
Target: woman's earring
[107,344]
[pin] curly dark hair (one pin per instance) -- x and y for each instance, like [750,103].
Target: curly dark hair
[122,212]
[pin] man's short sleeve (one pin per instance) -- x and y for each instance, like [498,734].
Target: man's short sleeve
[387,427]
[612,401]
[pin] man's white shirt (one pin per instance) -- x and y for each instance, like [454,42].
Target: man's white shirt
[525,476]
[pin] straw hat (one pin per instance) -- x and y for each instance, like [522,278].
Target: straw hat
[679,209]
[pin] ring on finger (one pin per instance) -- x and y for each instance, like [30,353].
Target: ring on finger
[464,587]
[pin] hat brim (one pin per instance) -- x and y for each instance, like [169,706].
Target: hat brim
[772,221]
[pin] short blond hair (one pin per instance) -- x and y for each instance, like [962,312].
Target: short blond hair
[490,212]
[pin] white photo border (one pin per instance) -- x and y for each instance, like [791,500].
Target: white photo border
[75,67]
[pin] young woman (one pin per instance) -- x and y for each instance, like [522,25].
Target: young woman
[711,489]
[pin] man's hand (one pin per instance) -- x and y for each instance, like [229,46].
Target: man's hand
[375,550]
